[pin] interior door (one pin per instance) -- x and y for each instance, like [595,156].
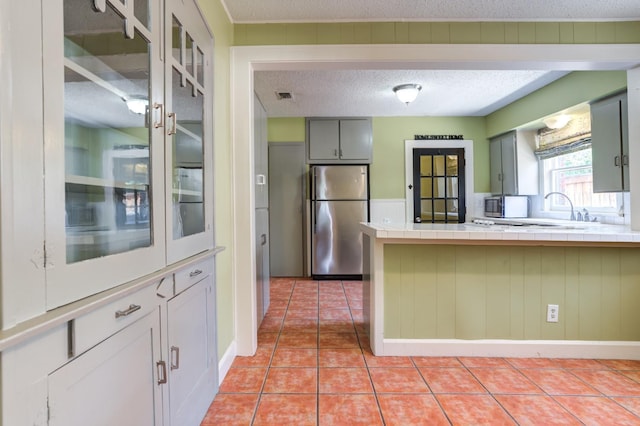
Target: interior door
[287,189]
[438,185]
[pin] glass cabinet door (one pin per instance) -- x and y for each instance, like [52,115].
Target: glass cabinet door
[105,81]
[188,77]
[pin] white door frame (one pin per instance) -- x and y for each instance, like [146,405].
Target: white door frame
[247,59]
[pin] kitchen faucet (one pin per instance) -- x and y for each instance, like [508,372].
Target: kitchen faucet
[573,216]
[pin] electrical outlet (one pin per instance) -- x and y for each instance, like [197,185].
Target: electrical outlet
[552,313]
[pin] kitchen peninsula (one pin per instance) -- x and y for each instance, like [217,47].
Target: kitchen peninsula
[476,290]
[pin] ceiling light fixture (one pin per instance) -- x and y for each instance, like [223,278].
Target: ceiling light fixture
[557,122]
[137,104]
[407,92]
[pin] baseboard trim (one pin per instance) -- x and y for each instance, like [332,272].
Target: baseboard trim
[513,348]
[225,362]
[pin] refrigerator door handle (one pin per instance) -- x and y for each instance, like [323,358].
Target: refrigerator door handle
[315,217]
[313,183]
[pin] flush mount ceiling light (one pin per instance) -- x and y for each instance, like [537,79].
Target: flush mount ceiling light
[407,92]
[137,104]
[557,122]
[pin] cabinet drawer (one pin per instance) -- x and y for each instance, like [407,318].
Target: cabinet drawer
[96,326]
[192,274]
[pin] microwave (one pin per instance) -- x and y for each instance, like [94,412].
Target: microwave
[507,206]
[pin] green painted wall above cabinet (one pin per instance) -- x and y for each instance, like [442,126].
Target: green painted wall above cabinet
[437,32]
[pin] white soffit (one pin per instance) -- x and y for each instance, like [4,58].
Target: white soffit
[252,11]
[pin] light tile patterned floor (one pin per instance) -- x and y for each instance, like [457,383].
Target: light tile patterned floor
[314,367]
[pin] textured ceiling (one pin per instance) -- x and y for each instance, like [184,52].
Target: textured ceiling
[248,11]
[445,93]
[370,92]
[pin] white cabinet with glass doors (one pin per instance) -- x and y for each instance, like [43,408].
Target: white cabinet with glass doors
[128,146]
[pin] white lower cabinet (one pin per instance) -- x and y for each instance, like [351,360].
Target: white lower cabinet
[192,362]
[114,383]
[147,358]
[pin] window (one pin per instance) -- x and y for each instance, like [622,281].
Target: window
[571,174]
[565,157]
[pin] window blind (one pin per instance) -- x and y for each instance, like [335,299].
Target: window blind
[576,135]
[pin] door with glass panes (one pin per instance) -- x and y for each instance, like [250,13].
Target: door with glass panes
[188,88]
[438,185]
[113,127]
[103,144]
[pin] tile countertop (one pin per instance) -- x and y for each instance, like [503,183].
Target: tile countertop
[508,232]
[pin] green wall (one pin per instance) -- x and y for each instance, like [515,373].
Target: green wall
[287,129]
[389,133]
[502,292]
[571,90]
[222,30]
[437,32]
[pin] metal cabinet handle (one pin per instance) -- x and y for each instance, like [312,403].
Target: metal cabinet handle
[175,357]
[335,152]
[174,123]
[131,309]
[616,161]
[263,238]
[625,160]
[340,152]
[195,273]
[161,368]
[160,123]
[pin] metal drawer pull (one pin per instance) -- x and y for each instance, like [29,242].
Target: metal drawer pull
[195,273]
[175,360]
[132,308]
[162,372]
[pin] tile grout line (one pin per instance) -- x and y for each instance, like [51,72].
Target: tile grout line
[433,394]
[366,364]
[264,381]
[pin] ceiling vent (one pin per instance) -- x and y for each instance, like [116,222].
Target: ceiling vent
[283,95]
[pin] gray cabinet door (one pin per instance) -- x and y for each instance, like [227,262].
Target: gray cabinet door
[509,165]
[262,263]
[504,165]
[355,139]
[192,356]
[606,145]
[324,139]
[495,158]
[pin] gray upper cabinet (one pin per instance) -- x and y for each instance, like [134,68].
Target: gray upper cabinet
[336,140]
[513,166]
[610,144]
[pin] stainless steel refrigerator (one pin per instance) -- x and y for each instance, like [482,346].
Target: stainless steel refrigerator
[339,202]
